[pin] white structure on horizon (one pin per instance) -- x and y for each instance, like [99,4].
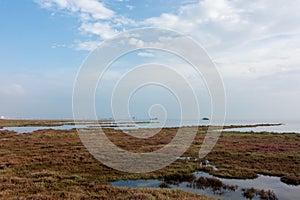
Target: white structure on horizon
[2,117]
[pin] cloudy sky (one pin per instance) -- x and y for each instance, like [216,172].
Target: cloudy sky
[254,44]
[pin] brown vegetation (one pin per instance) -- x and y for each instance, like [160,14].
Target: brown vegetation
[53,164]
[11,122]
[262,153]
[215,184]
[291,180]
[179,178]
[251,193]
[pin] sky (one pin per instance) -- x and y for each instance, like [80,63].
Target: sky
[255,46]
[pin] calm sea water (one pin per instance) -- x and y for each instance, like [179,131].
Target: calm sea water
[29,129]
[287,126]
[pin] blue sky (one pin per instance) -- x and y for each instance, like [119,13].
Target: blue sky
[255,45]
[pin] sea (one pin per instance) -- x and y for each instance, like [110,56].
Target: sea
[283,126]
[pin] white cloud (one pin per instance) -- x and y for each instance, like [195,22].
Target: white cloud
[102,29]
[55,45]
[130,7]
[112,75]
[244,36]
[95,17]
[145,54]
[86,46]
[12,90]
[94,8]
[262,58]
[136,42]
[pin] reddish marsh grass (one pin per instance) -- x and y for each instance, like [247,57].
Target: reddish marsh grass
[53,164]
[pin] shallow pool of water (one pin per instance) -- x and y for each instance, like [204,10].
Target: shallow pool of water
[284,128]
[282,190]
[29,129]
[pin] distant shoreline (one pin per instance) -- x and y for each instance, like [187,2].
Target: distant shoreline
[46,123]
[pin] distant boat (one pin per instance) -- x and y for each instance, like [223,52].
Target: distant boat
[205,118]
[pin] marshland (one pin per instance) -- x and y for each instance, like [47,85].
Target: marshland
[54,164]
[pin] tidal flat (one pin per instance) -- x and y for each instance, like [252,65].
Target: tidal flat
[54,164]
